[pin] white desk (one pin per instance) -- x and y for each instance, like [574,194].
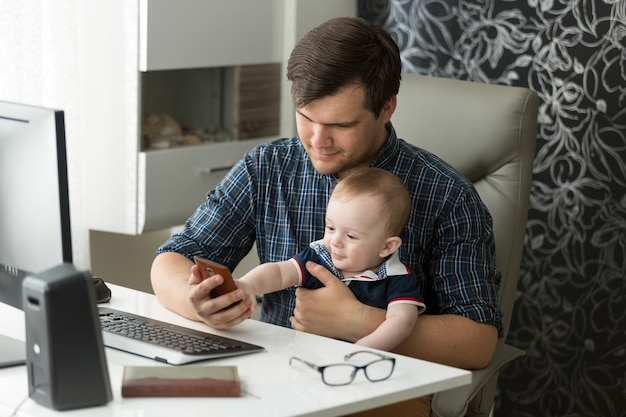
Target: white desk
[271,387]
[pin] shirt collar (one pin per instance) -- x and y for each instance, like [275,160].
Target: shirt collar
[392,266]
[389,149]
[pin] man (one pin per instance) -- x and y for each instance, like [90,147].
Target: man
[345,76]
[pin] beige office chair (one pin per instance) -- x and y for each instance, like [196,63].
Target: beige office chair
[488,133]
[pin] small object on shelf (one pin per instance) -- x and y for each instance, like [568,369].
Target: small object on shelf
[209,134]
[162,131]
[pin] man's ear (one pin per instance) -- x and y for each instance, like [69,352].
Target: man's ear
[391,245]
[388,108]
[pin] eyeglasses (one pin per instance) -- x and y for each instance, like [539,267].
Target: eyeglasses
[344,373]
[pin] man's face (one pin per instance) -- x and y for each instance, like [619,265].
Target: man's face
[339,133]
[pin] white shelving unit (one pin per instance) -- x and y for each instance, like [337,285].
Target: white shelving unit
[134,191]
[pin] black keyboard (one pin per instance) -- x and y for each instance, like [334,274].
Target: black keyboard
[165,342]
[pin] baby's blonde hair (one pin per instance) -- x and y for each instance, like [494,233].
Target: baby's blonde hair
[388,189]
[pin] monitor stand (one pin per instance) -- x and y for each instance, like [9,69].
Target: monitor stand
[12,351]
[11,280]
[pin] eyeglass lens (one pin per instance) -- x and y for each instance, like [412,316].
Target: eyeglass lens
[379,370]
[341,374]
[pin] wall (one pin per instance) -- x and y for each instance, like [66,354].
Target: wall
[570,315]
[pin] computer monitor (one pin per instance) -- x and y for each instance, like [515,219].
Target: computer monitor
[35,232]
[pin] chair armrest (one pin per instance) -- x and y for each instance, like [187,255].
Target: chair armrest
[454,402]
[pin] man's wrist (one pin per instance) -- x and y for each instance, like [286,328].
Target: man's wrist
[363,320]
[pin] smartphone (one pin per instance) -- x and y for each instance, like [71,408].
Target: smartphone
[210,268]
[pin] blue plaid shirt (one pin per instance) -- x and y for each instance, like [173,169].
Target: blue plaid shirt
[276,197]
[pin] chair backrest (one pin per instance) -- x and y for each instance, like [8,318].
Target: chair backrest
[488,133]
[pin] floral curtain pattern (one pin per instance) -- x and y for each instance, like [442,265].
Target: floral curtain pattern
[570,315]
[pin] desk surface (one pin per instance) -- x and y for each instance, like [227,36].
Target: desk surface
[270,386]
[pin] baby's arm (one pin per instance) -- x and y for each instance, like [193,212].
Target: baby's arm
[398,324]
[269,277]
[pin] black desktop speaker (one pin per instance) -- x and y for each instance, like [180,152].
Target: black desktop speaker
[65,356]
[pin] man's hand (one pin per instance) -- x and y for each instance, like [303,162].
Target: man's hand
[222,312]
[333,311]
[178,285]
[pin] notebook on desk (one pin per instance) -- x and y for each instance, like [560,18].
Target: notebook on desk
[165,342]
[12,351]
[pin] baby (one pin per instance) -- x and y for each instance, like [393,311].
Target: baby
[365,217]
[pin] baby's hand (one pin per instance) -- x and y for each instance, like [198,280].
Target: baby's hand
[249,290]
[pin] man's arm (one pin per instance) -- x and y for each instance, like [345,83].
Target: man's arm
[334,311]
[178,286]
[451,340]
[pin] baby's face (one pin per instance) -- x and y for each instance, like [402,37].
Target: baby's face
[355,233]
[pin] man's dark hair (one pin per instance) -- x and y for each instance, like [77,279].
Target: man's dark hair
[341,52]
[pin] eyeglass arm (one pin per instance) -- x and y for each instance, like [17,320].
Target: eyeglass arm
[307,363]
[380,355]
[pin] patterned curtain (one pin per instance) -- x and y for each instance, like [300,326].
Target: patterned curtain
[570,315]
